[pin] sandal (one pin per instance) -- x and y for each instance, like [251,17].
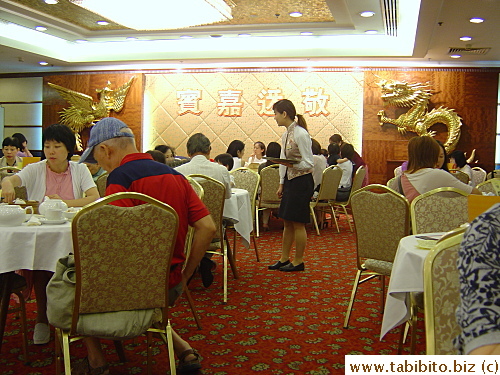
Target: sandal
[83,368]
[186,367]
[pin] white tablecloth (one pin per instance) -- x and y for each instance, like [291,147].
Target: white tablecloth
[406,277]
[34,247]
[239,211]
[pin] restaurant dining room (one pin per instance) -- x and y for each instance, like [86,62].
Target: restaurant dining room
[235,187]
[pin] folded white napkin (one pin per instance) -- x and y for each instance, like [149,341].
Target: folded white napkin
[489,194]
[33,221]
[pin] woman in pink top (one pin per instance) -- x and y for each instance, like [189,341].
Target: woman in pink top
[423,174]
[57,178]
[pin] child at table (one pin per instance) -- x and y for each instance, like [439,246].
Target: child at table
[227,161]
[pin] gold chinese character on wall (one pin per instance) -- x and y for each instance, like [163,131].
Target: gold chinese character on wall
[188,102]
[315,102]
[229,104]
[266,100]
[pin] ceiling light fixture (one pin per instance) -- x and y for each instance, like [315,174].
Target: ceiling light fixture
[102,23]
[43,63]
[455,56]
[40,28]
[367,13]
[306,33]
[186,37]
[465,38]
[476,20]
[371,32]
[295,14]
[131,38]
[51,2]
[81,41]
[166,14]
[244,35]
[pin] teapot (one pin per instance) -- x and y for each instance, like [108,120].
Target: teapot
[12,215]
[48,203]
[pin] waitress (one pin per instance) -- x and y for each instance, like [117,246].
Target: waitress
[296,185]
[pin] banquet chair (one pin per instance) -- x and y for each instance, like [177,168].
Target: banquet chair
[249,180]
[490,186]
[8,171]
[357,182]
[478,175]
[330,181]
[187,250]
[12,283]
[493,174]
[381,217]
[214,198]
[121,266]
[439,210]
[393,184]
[442,294]
[460,176]
[269,185]
[101,184]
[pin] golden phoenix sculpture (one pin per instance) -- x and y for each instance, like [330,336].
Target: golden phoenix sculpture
[418,119]
[84,111]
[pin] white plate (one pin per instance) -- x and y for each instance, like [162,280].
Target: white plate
[52,222]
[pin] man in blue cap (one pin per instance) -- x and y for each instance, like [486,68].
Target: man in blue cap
[112,145]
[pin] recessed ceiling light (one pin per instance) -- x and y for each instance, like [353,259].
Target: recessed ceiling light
[244,35]
[51,2]
[455,56]
[465,38]
[131,38]
[40,28]
[306,33]
[43,63]
[216,36]
[371,32]
[295,14]
[81,41]
[186,37]
[102,23]
[367,13]
[476,20]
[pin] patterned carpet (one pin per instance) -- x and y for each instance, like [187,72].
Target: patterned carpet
[274,322]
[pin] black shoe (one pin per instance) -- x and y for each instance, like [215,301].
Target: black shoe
[278,265]
[291,268]
[206,266]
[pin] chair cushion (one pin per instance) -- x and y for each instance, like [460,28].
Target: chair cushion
[380,266]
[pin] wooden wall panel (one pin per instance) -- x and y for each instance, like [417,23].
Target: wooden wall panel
[473,95]
[87,83]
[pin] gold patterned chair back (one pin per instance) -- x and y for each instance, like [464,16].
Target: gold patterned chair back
[493,174]
[8,171]
[490,186]
[249,180]
[101,184]
[330,182]
[442,294]
[460,176]
[269,184]
[123,255]
[393,184]
[478,175]
[439,210]
[214,198]
[381,218]
[357,181]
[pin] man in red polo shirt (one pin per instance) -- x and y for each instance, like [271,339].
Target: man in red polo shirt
[112,145]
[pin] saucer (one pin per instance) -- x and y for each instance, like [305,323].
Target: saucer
[52,222]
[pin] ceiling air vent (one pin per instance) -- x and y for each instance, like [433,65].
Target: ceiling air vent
[468,50]
[390,11]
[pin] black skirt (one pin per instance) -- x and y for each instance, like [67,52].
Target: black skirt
[297,194]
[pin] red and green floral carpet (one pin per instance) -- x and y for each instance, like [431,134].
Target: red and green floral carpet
[274,322]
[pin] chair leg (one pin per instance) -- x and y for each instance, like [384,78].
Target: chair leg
[255,246]
[313,214]
[120,351]
[229,255]
[234,243]
[353,295]
[402,337]
[347,217]
[335,218]
[224,273]
[65,349]
[149,345]
[382,293]
[171,354]
[24,326]
[257,220]
[6,280]
[191,305]
[58,342]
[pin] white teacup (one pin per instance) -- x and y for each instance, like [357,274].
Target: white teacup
[54,214]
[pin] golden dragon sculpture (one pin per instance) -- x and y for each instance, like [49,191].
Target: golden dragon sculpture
[418,119]
[84,111]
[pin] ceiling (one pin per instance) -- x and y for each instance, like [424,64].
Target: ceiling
[409,33]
